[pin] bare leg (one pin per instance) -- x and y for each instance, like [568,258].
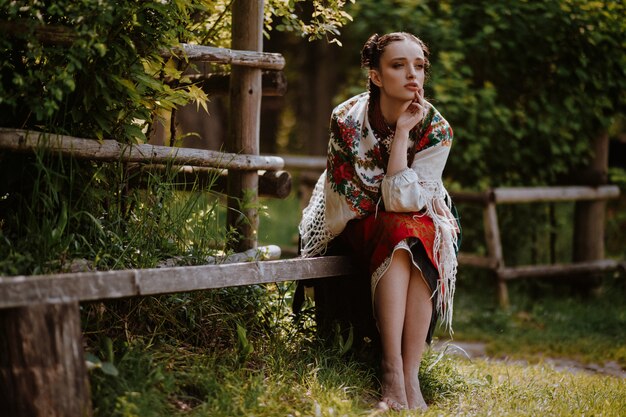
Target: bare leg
[416,323]
[390,302]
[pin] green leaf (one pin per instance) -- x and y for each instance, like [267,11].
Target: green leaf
[109,369]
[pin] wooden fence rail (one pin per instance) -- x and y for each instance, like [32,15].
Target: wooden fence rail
[494,260]
[20,291]
[243,58]
[111,150]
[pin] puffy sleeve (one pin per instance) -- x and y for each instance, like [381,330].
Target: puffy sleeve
[409,189]
[402,192]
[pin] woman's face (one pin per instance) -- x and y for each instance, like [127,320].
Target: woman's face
[402,71]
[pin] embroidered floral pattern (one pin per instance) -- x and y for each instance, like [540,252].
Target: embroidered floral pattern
[357,158]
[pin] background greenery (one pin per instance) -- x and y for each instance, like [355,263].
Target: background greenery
[526,85]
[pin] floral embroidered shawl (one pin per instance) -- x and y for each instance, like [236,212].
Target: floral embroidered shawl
[349,188]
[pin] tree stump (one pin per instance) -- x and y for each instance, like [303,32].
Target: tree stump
[42,364]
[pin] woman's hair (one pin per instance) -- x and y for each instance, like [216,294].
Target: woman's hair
[375,47]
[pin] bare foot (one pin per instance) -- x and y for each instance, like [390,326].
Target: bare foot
[387,404]
[414,396]
[394,393]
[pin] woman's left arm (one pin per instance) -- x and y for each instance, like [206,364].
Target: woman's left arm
[407,189]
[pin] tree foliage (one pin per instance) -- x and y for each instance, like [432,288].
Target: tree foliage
[97,82]
[94,69]
[526,85]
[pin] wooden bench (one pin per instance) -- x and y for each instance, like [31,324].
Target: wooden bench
[43,369]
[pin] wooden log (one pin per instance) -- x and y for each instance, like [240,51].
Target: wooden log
[42,365]
[17,291]
[275,184]
[477,261]
[559,270]
[262,253]
[478,197]
[258,254]
[545,194]
[244,126]
[273,83]
[111,150]
[243,56]
[295,162]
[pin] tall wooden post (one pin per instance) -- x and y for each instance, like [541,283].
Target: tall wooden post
[245,108]
[589,216]
[42,366]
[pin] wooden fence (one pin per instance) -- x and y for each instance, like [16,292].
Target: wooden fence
[494,260]
[42,363]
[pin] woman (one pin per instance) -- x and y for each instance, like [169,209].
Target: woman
[382,195]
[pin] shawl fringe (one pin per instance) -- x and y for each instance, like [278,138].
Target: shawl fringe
[314,232]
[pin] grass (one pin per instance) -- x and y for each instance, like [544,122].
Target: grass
[545,320]
[55,211]
[506,389]
[276,367]
[278,223]
[317,383]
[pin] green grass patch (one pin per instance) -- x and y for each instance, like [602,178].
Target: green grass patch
[506,389]
[545,320]
[239,351]
[56,212]
[308,380]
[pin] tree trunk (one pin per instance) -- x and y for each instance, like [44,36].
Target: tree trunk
[589,216]
[245,106]
[42,365]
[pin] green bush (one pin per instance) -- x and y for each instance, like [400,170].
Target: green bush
[94,69]
[525,85]
[89,68]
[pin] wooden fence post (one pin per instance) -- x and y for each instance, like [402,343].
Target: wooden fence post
[245,109]
[589,216]
[42,366]
[494,248]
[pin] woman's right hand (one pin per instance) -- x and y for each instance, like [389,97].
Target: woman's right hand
[413,114]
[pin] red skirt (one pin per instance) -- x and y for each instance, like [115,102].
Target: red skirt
[374,238]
